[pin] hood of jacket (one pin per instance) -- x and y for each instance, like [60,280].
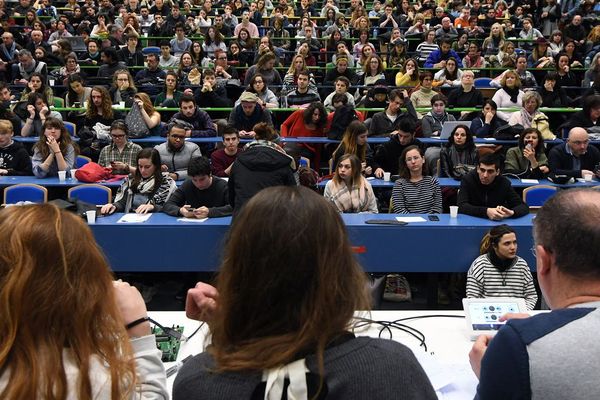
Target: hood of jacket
[263,157]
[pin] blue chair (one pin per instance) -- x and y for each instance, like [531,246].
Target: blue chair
[483,83]
[80,161]
[536,196]
[91,193]
[25,192]
[71,128]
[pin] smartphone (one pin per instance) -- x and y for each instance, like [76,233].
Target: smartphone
[434,218]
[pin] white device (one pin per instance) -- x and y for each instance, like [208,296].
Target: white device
[449,126]
[482,314]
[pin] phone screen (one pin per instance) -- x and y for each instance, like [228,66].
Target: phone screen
[433,218]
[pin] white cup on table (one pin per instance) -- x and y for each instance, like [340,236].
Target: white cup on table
[91,216]
[62,175]
[387,176]
[73,171]
[588,177]
[453,211]
[121,104]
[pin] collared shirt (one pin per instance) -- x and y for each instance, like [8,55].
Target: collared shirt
[576,161]
[111,153]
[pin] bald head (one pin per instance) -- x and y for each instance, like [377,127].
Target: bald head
[578,141]
[567,227]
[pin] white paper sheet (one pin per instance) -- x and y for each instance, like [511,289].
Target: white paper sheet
[532,181]
[134,218]
[411,219]
[191,219]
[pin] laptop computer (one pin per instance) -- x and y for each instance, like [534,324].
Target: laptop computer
[77,43]
[449,126]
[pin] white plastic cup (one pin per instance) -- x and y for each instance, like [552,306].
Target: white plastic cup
[386,176]
[588,177]
[121,104]
[73,171]
[91,216]
[51,82]
[62,175]
[453,211]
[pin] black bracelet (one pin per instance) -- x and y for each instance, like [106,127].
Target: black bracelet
[136,322]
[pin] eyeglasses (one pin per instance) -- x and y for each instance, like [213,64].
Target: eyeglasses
[178,137]
[409,159]
[117,136]
[123,79]
[533,251]
[221,58]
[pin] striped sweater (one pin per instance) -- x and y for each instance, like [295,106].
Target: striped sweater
[422,197]
[485,280]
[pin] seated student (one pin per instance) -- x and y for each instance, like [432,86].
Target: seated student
[415,191]
[121,154]
[509,95]
[385,123]
[262,164]
[433,121]
[14,159]
[266,97]
[91,338]
[123,88]
[303,315]
[354,142]
[147,190]
[531,117]
[499,271]
[466,95]
[487,122]
[302,95]
[575,157]
[199,120]
[437,58]
[222,159]
[348,190]
[342,86]
[308,122]
[528,159]
[177,153]
[388,153]
[588,117]
[487,194]
[211,93]
[54,150]
[421,98]
[200,196]
[459,156]
[247,114]
[39,112]
[150,117]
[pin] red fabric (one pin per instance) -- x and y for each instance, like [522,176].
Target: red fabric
[92,172]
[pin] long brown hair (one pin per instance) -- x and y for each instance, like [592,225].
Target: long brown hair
[349,143]
[284,289]
[92,110]
[56,293]
[356,178]
[63,142]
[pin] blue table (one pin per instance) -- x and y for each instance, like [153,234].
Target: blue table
[164,244]
[450,182]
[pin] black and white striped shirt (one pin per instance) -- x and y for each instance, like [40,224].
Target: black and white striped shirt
[485,280]
[422,197]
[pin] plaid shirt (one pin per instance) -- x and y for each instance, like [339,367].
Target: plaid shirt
[111,153]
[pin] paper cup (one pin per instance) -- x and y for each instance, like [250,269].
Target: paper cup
[91,216]
[121,104]
[73,171]
[62,175]
[51,82]
[453,211]
[588,177]
[386,176]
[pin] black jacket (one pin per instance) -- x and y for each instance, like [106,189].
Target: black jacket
[387,154]
[259,166]
[15,159]
[215,198]
[474,198]
[561,162]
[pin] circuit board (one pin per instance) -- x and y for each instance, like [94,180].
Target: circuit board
[168,341]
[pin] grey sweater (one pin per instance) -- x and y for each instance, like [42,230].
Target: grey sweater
[178,162]
[361,368]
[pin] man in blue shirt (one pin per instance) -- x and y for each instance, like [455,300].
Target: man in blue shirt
[552,355]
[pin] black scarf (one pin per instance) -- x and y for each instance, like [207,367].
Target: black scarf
[513,93]
[502,265]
